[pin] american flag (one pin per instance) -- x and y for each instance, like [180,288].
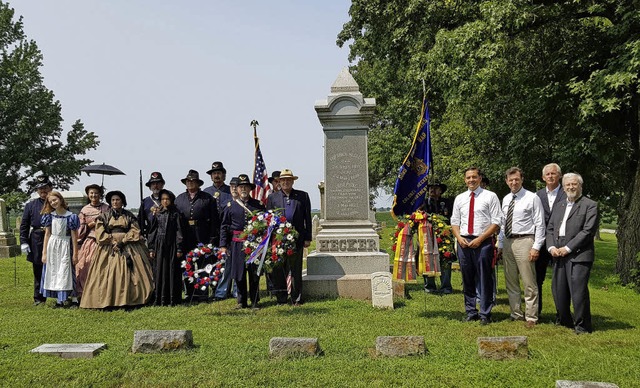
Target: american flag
[260,178]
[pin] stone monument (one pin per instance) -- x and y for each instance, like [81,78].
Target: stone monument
[8,245]
[347,245]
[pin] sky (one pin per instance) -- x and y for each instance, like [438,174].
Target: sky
[171,86]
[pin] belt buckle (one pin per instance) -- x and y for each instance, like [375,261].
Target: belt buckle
[192,222]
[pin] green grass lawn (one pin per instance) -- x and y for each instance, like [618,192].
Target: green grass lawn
[232,346]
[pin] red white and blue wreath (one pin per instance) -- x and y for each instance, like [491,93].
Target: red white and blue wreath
[268,239]
[203,266]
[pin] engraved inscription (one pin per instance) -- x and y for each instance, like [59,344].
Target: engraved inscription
[347,245]
[346,195]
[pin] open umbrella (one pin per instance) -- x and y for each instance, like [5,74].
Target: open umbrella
[103,169]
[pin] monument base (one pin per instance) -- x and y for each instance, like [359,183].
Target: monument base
[8,246]
[345,275]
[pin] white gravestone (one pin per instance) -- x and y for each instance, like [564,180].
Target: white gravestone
[70,350]
[382,290]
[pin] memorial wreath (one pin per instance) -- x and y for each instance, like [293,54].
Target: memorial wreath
[268,239]
[203,266]
[420,241]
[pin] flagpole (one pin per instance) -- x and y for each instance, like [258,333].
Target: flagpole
[254,124]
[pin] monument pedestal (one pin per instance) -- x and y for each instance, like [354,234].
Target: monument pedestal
[347,245]
[8,245]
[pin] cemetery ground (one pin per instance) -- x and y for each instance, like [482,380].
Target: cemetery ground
[232,346]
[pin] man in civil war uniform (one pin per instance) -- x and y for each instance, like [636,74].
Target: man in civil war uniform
[32,234]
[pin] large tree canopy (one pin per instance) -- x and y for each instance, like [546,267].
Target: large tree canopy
[30,117]
[509,83]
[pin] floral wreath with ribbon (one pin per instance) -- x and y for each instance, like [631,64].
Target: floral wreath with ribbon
[203,266]
[421,241]
[269,239]
[441,229]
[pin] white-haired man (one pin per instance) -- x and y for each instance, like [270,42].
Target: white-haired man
[551,195]
[570,233]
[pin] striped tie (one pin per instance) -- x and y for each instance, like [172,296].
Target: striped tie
[509,225]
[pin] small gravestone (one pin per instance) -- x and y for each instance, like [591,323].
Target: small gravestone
[400,346]
[152,341]
[503,348]
[583,384]
[382,290]
[399,291]
[70,350]
[8,245]
[294,347]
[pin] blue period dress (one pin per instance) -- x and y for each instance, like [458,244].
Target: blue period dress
[58,272]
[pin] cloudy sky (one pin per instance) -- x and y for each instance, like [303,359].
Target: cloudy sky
[171,86]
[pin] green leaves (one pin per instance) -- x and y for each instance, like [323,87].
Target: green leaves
[30,117]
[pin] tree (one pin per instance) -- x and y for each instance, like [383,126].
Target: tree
[511,82]
[30,117]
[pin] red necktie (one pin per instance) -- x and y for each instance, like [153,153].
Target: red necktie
[471,204]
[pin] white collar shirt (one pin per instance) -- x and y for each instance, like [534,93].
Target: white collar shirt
[552,195]
[563,226]
[528,217]
[486,207]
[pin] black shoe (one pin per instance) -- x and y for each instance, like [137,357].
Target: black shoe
[74,305]
[485,321]
[38,302]
[471,318]
[58,305]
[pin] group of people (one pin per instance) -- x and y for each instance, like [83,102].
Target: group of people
[107,257]
[555,225]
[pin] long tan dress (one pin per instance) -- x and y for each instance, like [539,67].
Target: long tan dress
[118,277]
[87,215]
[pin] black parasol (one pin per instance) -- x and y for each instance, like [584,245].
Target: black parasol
[103,169]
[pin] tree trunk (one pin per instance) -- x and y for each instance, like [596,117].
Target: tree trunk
[628,233]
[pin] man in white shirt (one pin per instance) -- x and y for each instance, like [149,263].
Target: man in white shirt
[521,237]
[476,216]
[550,196]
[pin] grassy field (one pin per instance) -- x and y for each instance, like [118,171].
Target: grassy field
[232,346]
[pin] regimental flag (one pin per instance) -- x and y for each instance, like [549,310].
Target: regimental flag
[411,184]
[260,177]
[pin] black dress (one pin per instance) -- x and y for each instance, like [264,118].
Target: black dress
[165,240]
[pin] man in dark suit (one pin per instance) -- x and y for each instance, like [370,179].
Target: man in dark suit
[551,195]
[200,211]
[32,234]
[234,220]
[151,204]
[570,233]
[296,207]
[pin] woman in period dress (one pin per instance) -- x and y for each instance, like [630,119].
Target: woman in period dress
[60,249]
[120,273]
[87,234]
[165,248]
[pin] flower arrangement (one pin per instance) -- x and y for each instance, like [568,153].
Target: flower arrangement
[441,228]
[270,231]
[444,236]
[203,266]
